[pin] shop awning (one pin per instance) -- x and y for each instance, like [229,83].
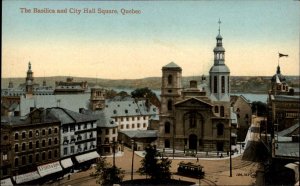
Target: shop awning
[87,156]
[49,168]
[22,178]
[6,182]
[66,163]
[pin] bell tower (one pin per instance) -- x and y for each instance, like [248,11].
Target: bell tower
[219,73]
[97,100]
[29,81]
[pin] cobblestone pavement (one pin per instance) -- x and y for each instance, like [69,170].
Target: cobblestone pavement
[216,171]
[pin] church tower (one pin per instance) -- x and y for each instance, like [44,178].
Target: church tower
[170,94]
[219,73]
[29,81]
[171,86]
[97,100]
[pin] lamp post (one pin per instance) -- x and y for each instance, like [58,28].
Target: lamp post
[132,147]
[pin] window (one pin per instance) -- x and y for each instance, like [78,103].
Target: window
[23,135]
[55,141]
[16,162]
[43,156]
[55,153]
[85,126]
[65,129]
[222,111]
[216,109]
[49,131]
[220,129]
[30,145]
[43,132]
[4,157]
[72,128]
[49,154]
[192,120]
[122,126]
[167,127]
[43,143]
[16,148]
[106,131]
[37,144]
[170,104]
[127,126]
[215,84]
[16,136]
[144,125]
[115,112]
[37,157]
[23,147]
[49,142]
[79,127]
[114,131]
[138,125]
[23,160]
[132,126]
[30,158]
[170,80]
[72,149]
[30,134]
[126,111]
[223,84]
[65,150]
[55,130]
[37,132]
[4,171]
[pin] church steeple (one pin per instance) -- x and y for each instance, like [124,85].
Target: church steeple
[219,51]
[219,72]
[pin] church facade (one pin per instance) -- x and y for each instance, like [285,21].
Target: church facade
[197,118]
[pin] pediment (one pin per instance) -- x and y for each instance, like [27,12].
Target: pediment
[193,102]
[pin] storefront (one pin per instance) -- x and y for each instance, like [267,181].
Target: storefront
[6,182]
[85,160]
[28,178]
[67,165]
[51,171]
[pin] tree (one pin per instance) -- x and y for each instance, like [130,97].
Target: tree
[157,169]
[146,93]
[107,174]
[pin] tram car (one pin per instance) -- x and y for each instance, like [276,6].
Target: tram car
[190,170]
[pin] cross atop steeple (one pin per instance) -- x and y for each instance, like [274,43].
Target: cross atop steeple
[219,24]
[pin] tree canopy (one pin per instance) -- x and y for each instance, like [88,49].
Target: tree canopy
[260,108]
[146,93]
[154,167]
[107,174]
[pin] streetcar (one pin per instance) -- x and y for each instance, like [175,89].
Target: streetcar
[190,170]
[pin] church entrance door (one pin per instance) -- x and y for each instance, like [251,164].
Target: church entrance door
[193,141]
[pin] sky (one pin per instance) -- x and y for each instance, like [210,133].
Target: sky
[131,46]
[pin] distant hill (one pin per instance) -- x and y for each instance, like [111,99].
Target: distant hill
[239,84]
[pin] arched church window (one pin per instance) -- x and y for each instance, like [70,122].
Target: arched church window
[192,120]
[220,129]
[222,111]
[223,84]
[215,84]
[170,104]
[167,127]
[170,80]
[216,109]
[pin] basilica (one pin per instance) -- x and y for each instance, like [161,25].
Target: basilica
[197,118]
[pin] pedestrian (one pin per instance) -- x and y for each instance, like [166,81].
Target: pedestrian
[69,176]
[197,159]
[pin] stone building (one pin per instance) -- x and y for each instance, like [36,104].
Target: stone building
[29,143]
[195,118]
[70,87]
[242,107]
